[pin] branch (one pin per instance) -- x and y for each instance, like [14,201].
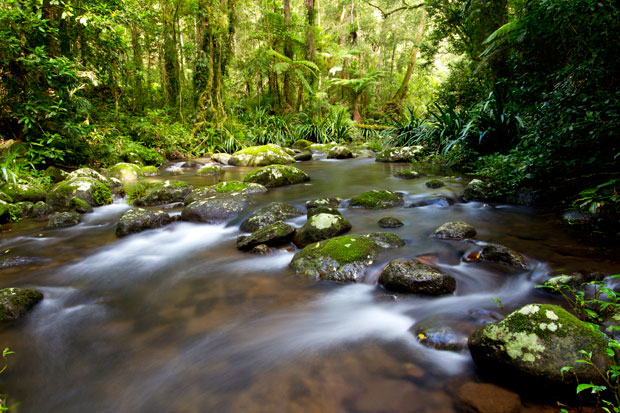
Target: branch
[386,14]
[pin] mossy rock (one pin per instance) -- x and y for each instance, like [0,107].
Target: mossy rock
[456,230]
[238,186]
[149,170]
[5,198]
[24,193]
[198,194]
[56,174]
[477,190]
[339,152]
[92,191]
[126,172]
[534,343]
[301,144]
[271,235]
[321,147]
[305,155]
[390,222]
[16,302]
[216,208]
[165,192]
[377,200]
[277,175]
[268,215]
[434,184]
[87,173]
[363,153]
[323,202]
[261,156]
[343,258]
[320,227]
[211,170]
[503,255]
[322,210]
[435,200]
[222,158]
[386,240]
[138,220]
[42,209]
[80,206]
[415,277]
[63,220]
[22,210]
[5,212]
[400,154]
[407,174]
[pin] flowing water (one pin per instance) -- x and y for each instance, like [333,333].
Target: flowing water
[178,320]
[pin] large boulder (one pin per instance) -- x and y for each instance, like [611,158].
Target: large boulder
[534,343]
[277,175]
[138,219]
[211,170]
[271,235]
[222,158]
[476,190]
[126,172]
[42,209]
[301,144]
[322,210]
[269,214]
[407,174]
[305,155]
[261,156]
[90,190]
[343,258]
[16,302]
[216,208]
[24,193]
[22,210]
[402,154]
[63,220]
[454,230]
[339,152]
[165,192]
[320,227]
[415,277]
[238,186]
[377,200]
[500,254]
[87,173]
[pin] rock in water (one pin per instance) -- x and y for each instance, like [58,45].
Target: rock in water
[415,277]
[476,190]
[165,192]
[390,222]
[90,190]
[532,344]
[434,184]
[63,220]
[16,302]
[503,255]
[402,154]
[261,156]
[277,175]
[222,158]
[488,398]
[339,152]
[407,174]
[211,170]
[24,193]
[269,214]
[271,235]
[138,220]
[320,227]
[343,258]
[215,209]
[377,200]
[454,230]
[126,172]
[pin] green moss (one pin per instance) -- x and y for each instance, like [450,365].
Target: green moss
[434,183]
[349,248]
[230,186]
[15,302]
[301,144]
[211,170]
[377,199]
[6,198]
[149,170]
[277,175]
[81,206]
[101,194]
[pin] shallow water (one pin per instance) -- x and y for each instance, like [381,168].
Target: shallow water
[176,319]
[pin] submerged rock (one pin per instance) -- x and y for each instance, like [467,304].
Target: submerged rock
[390,222]
[277,175]
[165,192]
[503,255]
[377,200]
[415,277]
[434,184]
[16,302]
[215,209]
[261,156]
[63,220]
[269,214]
[435,200]
[138,220]
[534,343]
[211,170]
[440,338]
[407,174]
[343,258]
[339,152]
[454,230]
[271,235]
[488,398]
[23,193]
[261,249]
[18,260]
[320,227]
[402,154]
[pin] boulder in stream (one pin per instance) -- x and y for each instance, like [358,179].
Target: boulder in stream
[476,190]
[407,174]
[377,200]
[165,192]
[269,214]
[23,193]
[16,302]
[400,154]
[534,343]
[126,172]
[261,156]
[22,210]
[211,170]
[238,186]
[216,208]
[456,230]
[42,209]
[277,175]
[332,202]
[139,219]
[270,235]
[415,277]
[343,258]
[89,190]
[390,222]
[302,155]
[434,184]
[503,255]
[320,227]
[339,152]
[301,144]
[221,158]
[63,220]
[322,210]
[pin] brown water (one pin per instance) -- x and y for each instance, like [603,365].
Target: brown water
[178,320]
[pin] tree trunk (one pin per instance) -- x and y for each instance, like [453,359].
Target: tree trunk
[288,52]
[357,117]
[138,68]
[402,91]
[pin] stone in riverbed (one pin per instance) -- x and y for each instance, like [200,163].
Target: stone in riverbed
[269,214]
[320,227]
[454,230]
[304,155]
[22,210]
[390,222]
[261,156]
[488,398]
[415,277]
[503,255]
[301,144]
[319,202]
[407,174]
[138,220]
[211,170]
[533,343]
[434,184]
[23,193]
[16,302]
[238,186]
[165,192]
[322,210]
[339,152]
[63,220]
[90,190]
[400,154]
[42,209]
[476,190]
[439,338]
[271,235]
[377,200]
[222,158]
[216,209]
[126,172]
[343,258]
[277,175]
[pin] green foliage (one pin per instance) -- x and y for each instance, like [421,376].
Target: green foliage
[603,198]
[102,194]
[136,190]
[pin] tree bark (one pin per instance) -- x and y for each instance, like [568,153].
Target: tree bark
[402,91]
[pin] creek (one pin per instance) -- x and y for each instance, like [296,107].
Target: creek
[177,319]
